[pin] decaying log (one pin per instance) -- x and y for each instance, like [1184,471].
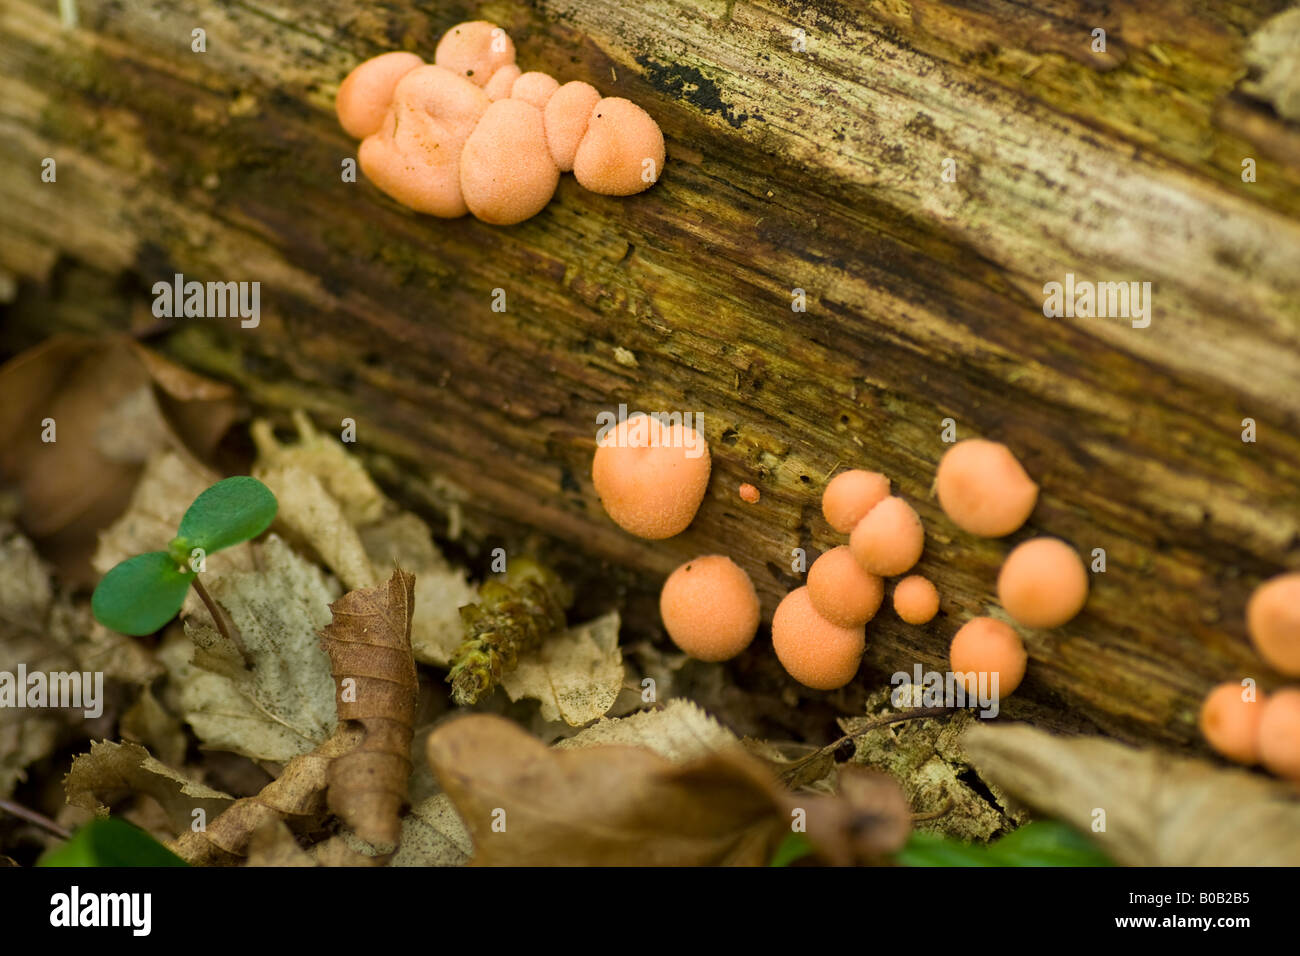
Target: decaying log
[818,169]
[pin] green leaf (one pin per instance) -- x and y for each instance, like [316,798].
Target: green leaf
[231,511]
[110,842]
[141,594]
[794,847]
[1040,843]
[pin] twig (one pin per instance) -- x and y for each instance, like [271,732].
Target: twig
[223,622]
[31,816]
[916,713]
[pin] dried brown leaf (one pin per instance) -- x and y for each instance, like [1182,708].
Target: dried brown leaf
[526,804]
[111,413]
[369,646]
[576,674]
[297,797]
[111,771]
[1158,809]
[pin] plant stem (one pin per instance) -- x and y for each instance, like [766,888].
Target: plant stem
[31,816]
[225,626]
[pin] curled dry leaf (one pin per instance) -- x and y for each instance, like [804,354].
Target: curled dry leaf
[112,404]
[297,797]
[576,674]
[526,804]
[864,823]
[369,647]
[1160,810]
[273,844]
[111,771]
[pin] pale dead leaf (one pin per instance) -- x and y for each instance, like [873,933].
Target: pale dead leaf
[273,844]
[149,723]
[311,515]
[433,834]
[681,731]
[111,771]
[405,541]
[1160,809]
[576,675]
[285,706]
[323,456]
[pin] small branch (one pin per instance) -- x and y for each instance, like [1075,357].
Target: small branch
[934,814]
[222,620]
[31,816]
[916,713]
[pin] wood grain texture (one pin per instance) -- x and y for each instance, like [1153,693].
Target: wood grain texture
[817,170]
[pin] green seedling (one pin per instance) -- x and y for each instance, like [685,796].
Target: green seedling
[143,593]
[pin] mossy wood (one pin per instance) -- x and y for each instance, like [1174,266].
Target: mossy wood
[819,170]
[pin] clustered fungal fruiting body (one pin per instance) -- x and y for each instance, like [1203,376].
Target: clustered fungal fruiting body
[646,477]
[916,599]
[710,608]
[1267,730]
[814,651]
[985,645]
[1229,721]
[471,133]
[652,487]
[889,540]
[983,489]
[843,591]
[1273,621]
[850,495]
[1043,583]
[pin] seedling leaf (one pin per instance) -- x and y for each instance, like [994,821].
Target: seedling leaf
[111,842]
[1040,843]
[141,594]
[231,511]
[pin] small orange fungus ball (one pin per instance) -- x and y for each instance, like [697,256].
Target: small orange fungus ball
[984,489]
[984,645]
[622,152]
[841,591]
[889,540]
[749,494]
[568,112]
[1043,583]
[916,600]
[1229,721]
[850,495]
[413,157]
[1273,619]
[502,82]
[650,477]
[366,92]
[815,652]
[709,608]
[1279,734]
[475,50]
[534,87]
[506,172]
